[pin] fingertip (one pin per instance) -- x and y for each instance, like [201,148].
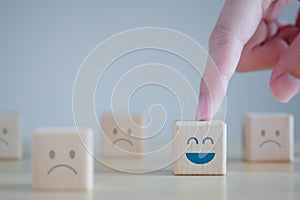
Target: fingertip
[284,87]
[272,29]
[203,109]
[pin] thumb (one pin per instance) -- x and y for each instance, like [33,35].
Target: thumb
[285,79]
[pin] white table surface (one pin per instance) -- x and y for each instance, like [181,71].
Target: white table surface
[243,181]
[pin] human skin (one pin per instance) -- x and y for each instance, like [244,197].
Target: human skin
[248,37]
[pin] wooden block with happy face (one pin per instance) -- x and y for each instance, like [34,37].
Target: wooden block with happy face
[268,137]
[199,148]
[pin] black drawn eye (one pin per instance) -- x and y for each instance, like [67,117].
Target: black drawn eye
[4,131]
[263,133]
[115,131]
[208,138]
[51,154]
[192,138]
[277,132]
[72,154]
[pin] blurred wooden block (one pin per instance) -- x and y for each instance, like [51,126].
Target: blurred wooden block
[199,148]
[268,137]
[122,136]
[63,159]
[10,136]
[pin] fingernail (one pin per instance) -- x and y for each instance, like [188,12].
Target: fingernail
[272,28]
[285,87]
[202,106]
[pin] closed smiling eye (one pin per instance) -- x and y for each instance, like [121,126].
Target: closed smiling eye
[208,138]
[192,138]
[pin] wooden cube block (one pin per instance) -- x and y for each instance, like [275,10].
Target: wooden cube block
[122,135]
[268,137]
[10,136]
[63,159]
[199,148]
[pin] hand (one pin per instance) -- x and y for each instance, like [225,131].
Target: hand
[248,37]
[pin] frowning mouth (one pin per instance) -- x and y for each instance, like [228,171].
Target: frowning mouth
[4,141]
[270,141]
[61,165]
[123,139]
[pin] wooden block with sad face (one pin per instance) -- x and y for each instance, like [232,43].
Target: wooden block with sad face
[10,136]
[268,137]
[122,135]
[63,159]
[199,148]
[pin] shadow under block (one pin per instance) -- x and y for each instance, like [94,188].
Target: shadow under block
[122,136]
[268,137]
[10,136]
[63,159]
[199,148]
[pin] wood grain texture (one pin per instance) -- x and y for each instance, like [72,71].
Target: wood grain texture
[63,159]
[184,143]
[10,136]
[268,137]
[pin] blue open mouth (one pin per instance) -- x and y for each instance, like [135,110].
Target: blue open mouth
[200,158]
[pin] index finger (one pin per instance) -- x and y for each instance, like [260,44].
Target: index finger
[237,23]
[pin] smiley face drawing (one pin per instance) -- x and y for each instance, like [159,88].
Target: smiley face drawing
[200,158]
[270,141]
[199,148]
[115,131]
[121,135]
[52,156]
